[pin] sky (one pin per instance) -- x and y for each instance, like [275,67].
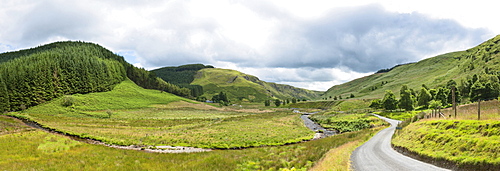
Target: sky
[313,44]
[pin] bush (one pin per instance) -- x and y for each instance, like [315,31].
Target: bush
[68,101]
[109,112]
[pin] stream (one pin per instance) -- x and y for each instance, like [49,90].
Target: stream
[320,131]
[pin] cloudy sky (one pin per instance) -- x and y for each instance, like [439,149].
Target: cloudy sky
[312,44]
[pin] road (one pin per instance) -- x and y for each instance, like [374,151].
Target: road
[377,154]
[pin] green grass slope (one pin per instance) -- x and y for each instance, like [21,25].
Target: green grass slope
[433,72]
[472,145]
[243,87]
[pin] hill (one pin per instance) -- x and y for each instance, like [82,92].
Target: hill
[462,67]
[240,86]
[182,76]
[33,76]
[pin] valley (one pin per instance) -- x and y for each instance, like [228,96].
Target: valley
[234,121]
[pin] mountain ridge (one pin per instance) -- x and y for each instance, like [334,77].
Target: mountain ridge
[482,60]
[239,86]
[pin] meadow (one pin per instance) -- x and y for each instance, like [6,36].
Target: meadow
[34,149]
[130,115]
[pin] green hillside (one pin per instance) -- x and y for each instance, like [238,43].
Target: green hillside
[482,61]
[243,87]
[182,76]
[33,76]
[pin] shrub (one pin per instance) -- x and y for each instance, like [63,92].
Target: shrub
[109,112]
[68,101]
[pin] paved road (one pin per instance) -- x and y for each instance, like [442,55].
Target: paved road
[377,154]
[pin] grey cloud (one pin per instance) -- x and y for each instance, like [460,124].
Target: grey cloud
[367,38]
[48,19]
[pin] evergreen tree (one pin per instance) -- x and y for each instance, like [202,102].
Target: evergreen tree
[4,96]
[267,103]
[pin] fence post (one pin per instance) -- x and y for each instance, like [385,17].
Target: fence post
[479,109]
[454,102]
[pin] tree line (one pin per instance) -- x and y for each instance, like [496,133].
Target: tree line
[278,102]
[484,87]
[33,76]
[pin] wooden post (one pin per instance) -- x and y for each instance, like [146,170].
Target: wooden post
[479,109]
[454,101]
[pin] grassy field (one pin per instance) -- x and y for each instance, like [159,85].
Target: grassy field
[346,122]
[33,149]
[9,125]
[466,142]
[130,115]
[490,110]
[350,106]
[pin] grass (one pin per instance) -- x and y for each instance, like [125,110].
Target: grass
[350,105]
[338,159]
[466,142]
[342,122]
[398,115]
[9,125]
[241,87]
[35,150]
[490,110]
[130,115]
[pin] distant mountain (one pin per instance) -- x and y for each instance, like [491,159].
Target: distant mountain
[242,86]
[238,86]
[482,61]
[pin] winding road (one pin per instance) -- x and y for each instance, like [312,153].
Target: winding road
[378,155]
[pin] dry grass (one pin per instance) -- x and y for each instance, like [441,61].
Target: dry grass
[490,110]
[203,106]
[338,158]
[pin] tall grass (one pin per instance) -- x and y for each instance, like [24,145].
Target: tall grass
[490,110]
[36,150]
